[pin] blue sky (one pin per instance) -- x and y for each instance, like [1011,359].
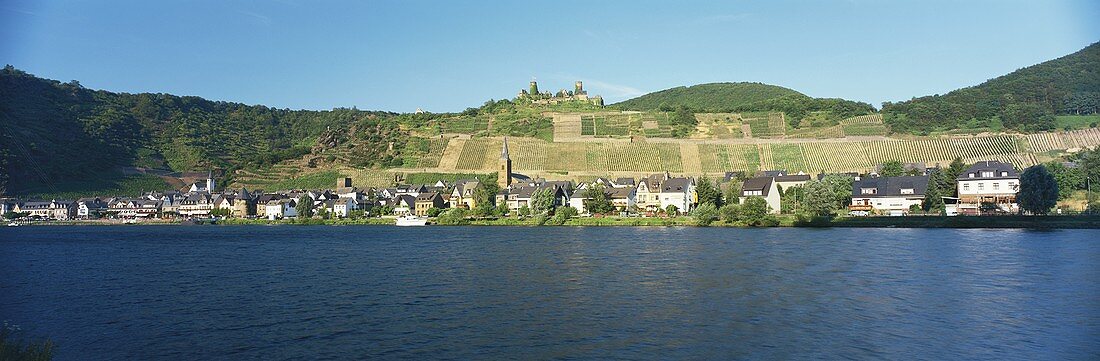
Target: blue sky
[449,55]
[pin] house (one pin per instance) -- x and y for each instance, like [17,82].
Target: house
[341,206]
[281,208]
[54,209]
[7,205]
[623,182]
[990,182]
[463,194]
[203,186]
[622,198]
[889,195]
[678,192]
[135,208]
[261,203]
[240,204]
[404,204]
[519,195]
[426,201]
[89,207]
[647,195]
[764,187]
[197,204]
[785,182]
[771,173]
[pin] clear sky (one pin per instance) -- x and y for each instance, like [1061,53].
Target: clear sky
[449,55]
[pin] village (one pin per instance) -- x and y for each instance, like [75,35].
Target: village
[983,188]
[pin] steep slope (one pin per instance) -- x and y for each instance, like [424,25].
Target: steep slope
[55,133]
[1025,100]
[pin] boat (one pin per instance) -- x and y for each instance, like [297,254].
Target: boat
[13,224]
[411,220]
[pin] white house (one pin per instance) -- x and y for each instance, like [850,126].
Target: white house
[763,187]
[890,195]
[281,208]
[990,182]
[678,192]
[87,207]
[55,209]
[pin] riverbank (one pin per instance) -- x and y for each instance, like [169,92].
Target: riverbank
[1030,222]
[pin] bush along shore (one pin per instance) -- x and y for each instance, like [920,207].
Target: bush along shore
[1028,222]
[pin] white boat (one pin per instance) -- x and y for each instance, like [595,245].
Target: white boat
[411,220]
[13,224]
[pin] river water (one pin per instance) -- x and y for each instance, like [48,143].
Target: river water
[381,292]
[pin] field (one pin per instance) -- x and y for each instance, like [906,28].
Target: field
[588,156]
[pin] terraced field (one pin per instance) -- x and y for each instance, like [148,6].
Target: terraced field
[589,158]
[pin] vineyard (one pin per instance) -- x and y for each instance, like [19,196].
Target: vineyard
[590,158]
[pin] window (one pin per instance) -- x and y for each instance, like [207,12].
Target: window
[907,191]
[981,186]
[868,190]
[971,175]
[996,186]
[966,186]
[1004,174]
[754,193]
[987,174]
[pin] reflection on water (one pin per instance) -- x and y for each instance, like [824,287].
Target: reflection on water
[589,293]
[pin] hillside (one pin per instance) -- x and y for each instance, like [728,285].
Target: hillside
[57,134]
[745,97]
[1025,100]
[712,97]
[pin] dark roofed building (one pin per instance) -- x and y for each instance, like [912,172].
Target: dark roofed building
[894,195]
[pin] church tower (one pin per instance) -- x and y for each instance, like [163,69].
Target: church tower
[504,176]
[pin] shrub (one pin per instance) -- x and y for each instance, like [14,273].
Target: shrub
[705,214]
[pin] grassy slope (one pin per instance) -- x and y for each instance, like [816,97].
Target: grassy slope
[707,97]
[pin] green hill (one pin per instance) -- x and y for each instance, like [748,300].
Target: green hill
[58,134]
[712,97]
[1026,100]
[744,97]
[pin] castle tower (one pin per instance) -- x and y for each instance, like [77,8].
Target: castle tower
[210,182]
[504,179]
[578,87]
[534,88]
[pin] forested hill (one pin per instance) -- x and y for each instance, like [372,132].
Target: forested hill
[743,97]
[1025,100]
[55,133]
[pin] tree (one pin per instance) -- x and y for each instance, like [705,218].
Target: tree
[596,200]
[542,201]
[755,212]
[708,192]
[671,210]
[705,214]
[304,207]
[435,212]
[938,188]
[841,187]
[729,212]
[1038,190]
[562,214]
[733,193]
[524,211]
[1069,179]
[818,199]
[453,216]
[790,199]
[892,168]
[486,193]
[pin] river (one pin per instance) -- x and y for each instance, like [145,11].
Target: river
[383,292]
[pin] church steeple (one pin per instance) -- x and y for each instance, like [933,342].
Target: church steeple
[504,179]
